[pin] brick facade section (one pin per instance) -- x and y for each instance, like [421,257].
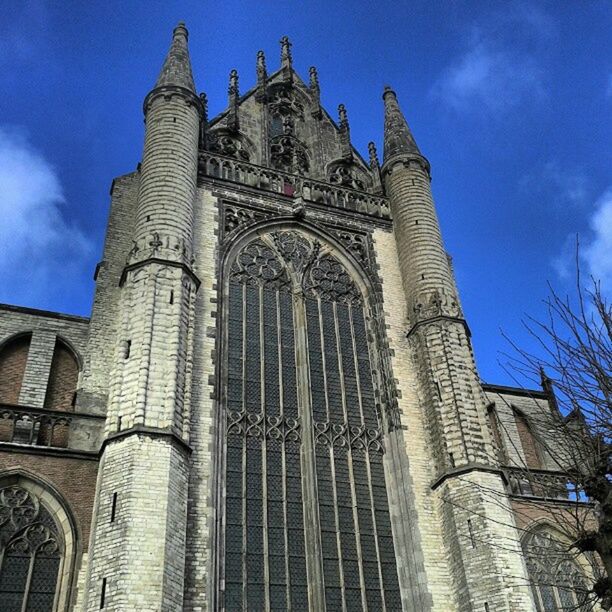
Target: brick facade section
[528,442]
[13,359]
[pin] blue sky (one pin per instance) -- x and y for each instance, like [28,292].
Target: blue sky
[510,101]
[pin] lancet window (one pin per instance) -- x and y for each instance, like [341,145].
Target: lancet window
[304,491]
[30,553]
[557,583]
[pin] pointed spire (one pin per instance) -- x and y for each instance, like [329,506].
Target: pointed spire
[234,96]
[176,70]
[286,59]
[398,137]
[345,131]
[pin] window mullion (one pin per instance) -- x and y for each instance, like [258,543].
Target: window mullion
[28,584]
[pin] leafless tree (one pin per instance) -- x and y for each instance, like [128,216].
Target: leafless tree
[572,357]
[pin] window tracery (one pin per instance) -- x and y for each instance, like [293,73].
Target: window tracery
[30,552]
[276,423]
[288,154]
[557,582]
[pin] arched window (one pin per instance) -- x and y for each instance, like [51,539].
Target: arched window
[498,443]
[557,582]
[531,454]
[13,359]
[63,378]
[31,552]
[305,501]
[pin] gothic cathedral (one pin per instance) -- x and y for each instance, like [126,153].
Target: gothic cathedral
[274,405]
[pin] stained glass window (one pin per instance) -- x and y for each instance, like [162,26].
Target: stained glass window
[30,553]
[299,389]
[557,582]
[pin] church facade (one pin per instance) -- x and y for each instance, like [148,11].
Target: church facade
[275,404]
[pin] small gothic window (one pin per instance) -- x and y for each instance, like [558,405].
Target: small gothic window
[62,378]
[304,478]
[531,454]
[30,553]
[557,583]
[13,358]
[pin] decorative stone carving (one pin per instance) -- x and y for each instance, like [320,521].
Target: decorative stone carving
[328,279]
[436,304]
[355,243]
[343,436]
[260,426]
[159,246]
[289,155]
[348,174]
[228,144]
[25,525]
[258,264]
[296,249]
[236,217]
[283,101]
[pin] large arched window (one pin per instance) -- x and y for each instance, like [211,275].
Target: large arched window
[305,517]
[31,552]
[557,582]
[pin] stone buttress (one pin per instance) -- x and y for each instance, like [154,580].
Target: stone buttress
[137,553]
[485,561]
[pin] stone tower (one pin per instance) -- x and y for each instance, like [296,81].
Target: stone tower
[144,467]
[274,405]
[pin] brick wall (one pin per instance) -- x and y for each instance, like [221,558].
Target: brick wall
[13,359]
[63,379]
[528,442]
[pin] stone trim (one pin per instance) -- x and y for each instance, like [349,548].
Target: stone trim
[49,451]
[467,469]
[153,432]
[43,313]
[439,318]
[164,262]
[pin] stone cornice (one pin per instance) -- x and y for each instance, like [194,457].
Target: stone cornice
[404,158]
[165,262]
[153,432]
[167,91]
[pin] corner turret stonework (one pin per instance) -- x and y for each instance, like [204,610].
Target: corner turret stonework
[137,555]
[451,398]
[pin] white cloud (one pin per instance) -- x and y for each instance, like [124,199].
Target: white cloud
[597,253]
[570,186]
[41,254]
[484,78]
[500,66]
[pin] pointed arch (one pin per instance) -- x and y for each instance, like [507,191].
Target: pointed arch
[301,492]
[532,453]
[63,377]
[13,359]
[39,545]
[558,578]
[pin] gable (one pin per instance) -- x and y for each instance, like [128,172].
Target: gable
[280,124]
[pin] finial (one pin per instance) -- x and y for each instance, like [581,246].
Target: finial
[316,91]
[389,91]
[180,30]
[345,133]
[374,163]
[314,77]
[204,101]
[286,59]
[262,71]
[234,95]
